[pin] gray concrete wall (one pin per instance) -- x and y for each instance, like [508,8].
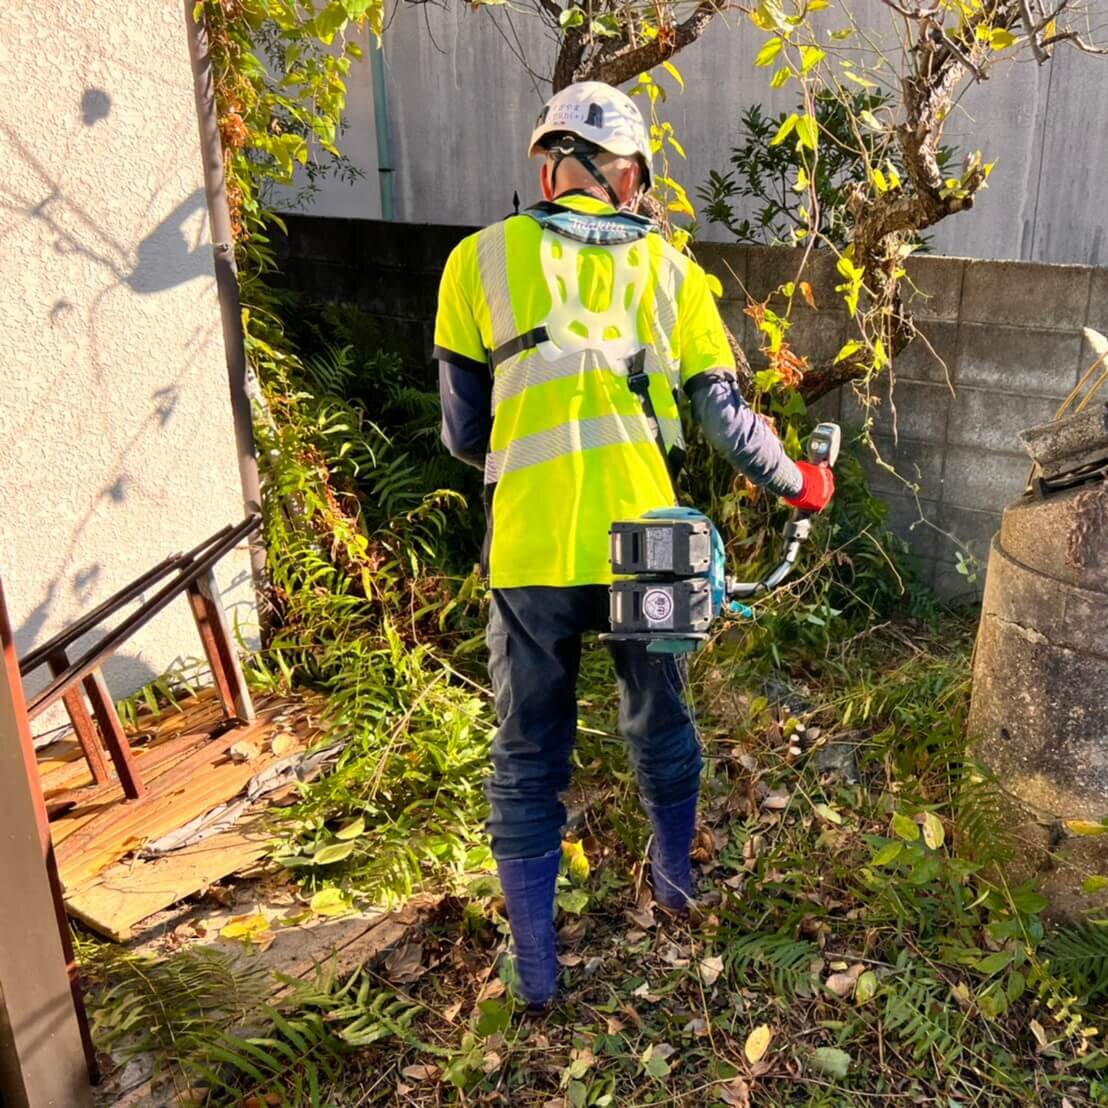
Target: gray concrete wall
[116,440]
[1001,347]
[462,105]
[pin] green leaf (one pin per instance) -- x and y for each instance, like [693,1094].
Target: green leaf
[828,813]
[576,860]
[863,81]
[933,832]
[1085,827]
[994,963]
[993,1002]
[330,902]
[494,1017]
[768,54]
[785,130]
[714,285]
[330,21]
[765,379]
[574,901]
[351,830]
[807,132]
[674,72]
[831,1060]
[1028,902]
[888,853]
[781,76]
[810,56]
[657,1067]
[571,17]
[334,852]
[1094,884]
[906,828]
[770,17]
[1000,39]
[848,350]
[865,988]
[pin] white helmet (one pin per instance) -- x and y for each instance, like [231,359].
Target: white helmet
[599,114]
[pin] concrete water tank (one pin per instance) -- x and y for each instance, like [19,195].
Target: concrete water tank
[1039,713]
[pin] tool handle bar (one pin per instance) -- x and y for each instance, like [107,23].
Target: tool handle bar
[823,449]
[796,531]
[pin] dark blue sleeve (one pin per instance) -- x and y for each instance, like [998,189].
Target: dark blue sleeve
[731,427]
[465,389]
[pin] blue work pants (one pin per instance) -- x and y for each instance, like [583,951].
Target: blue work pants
[534,638]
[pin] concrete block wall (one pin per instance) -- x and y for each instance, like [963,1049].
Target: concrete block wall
[1000,348]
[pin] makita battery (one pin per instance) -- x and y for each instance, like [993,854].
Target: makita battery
[669,547]
[681,607]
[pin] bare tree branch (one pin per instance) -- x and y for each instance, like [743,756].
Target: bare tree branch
[1028,25]
[552,9]
[1080,43]
[629,59]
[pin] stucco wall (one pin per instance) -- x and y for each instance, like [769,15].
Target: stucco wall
[462,106]
[116,439]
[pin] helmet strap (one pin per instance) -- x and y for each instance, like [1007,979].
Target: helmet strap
[594,170]
[582,151]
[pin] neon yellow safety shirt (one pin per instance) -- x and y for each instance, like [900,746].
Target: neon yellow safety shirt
[571,448]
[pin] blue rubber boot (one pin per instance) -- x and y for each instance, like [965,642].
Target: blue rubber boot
[670,865]
[528,885]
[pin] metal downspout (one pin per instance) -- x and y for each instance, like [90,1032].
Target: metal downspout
[226,275]
[383,128]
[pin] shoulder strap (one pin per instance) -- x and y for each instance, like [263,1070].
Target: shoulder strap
[638,381]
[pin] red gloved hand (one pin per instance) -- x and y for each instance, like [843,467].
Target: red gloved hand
[818,488]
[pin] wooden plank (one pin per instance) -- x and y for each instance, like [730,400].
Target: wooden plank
[158,761]
[91,801]
[154,761]
[194,786]
[61,765]
[58,755]
[128,892]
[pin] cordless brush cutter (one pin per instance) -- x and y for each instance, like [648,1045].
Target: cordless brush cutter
[671,569]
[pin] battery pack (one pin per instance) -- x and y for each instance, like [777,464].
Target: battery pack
[682,607]
[673,547]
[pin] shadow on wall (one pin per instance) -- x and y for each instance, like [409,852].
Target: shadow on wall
[163,259]
[174,252]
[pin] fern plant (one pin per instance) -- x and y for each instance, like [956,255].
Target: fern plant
[1079,954]
[304,1045]
[785,960]
[918,1014]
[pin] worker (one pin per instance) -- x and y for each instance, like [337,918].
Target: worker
[564,337]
